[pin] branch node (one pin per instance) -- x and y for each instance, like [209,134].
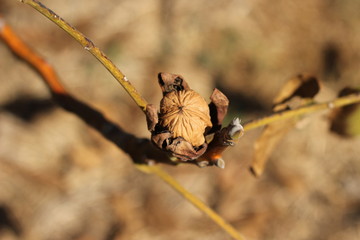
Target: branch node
[220,163]
[331,105]
[89,44]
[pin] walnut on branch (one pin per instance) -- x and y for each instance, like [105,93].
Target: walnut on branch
[185,120]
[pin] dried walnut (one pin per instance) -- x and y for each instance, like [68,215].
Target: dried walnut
[186,114]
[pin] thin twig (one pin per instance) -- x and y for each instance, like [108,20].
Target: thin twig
[339,102]
[94,50]
[138,149]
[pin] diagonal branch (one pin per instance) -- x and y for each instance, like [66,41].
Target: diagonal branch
[94,50]
[339,102]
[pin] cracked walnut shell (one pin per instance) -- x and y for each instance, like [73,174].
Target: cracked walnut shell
[186,114]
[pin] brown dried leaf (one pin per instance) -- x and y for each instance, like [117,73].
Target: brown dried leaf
[345,121]
[186,114]
[267,142]
[292,94]
[295,93]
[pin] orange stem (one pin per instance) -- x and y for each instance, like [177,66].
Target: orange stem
[19,48]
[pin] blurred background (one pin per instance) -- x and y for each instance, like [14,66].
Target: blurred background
[59,179]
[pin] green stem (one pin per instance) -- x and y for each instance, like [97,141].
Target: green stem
[89,45]
[339,102]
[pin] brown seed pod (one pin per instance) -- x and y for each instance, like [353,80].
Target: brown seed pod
[186,114]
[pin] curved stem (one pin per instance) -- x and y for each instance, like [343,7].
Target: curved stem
[339,102]
[94,50]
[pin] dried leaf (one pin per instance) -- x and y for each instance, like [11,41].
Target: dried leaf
[267,142]
[295,93]
[185,114]
[345,121]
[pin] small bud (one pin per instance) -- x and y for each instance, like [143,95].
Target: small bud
[220,163]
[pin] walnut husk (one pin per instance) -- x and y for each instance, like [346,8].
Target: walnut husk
[186,114]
